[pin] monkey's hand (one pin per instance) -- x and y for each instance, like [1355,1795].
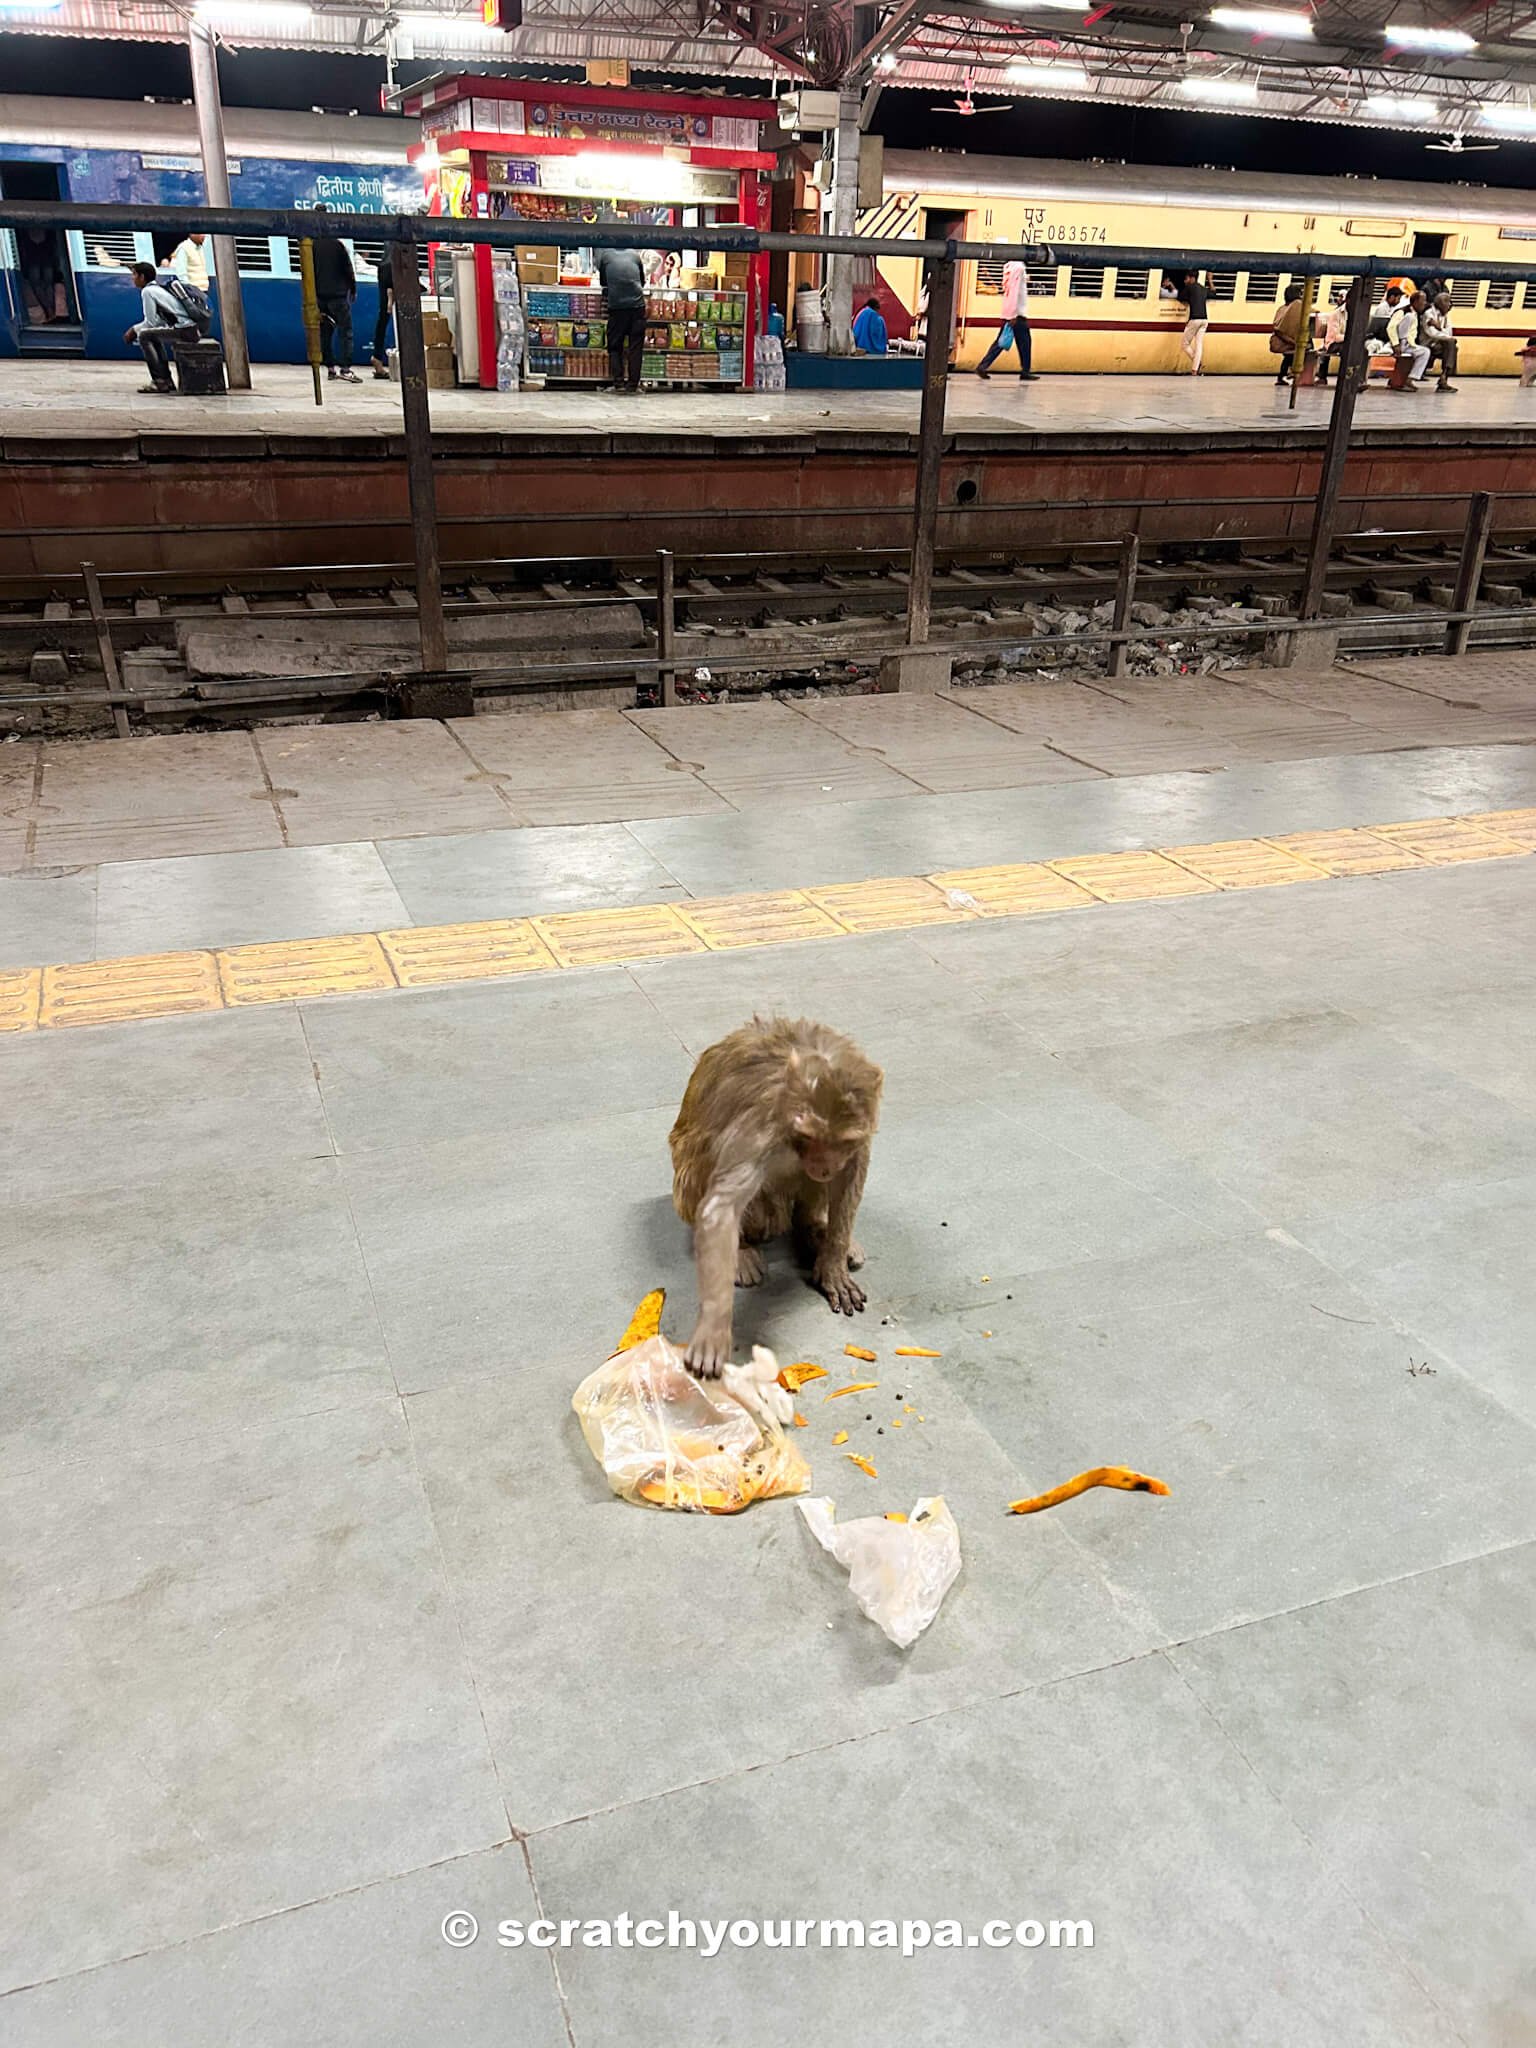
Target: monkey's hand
[832,1277]
[709,1348]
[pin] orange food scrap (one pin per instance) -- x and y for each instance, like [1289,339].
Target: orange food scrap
[841,1437]
[896,1422]
[645,1323]
[800,1421]
[1101,1475]
[916,1351]
[793,1377]
[858,1351]
[863,1464]
[710,1498]
[855,1387]
[896,1517]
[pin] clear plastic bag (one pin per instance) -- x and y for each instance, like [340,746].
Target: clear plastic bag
[898,1571]
[671,1441]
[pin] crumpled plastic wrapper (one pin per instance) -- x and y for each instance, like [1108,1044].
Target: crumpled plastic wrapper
[898,1572]
[668,1440]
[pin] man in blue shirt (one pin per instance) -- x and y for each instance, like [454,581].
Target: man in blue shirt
[869,334]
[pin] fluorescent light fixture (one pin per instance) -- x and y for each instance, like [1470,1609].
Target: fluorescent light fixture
[455,28]
[30,6]
[1409,37]
[1262,21]
[1387,107]
[1064,77]
[1519,120]
[1232,92]
[885,62]
[257,17]
[1037,6]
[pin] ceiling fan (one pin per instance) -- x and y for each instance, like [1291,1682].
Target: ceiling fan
[967,105]
[1458,145]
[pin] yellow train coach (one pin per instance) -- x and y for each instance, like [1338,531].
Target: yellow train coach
[1089,316]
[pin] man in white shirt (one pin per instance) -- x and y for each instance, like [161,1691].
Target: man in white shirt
[1437,330]
[163,317]
[1403,333]
[190,264]
[1014,332]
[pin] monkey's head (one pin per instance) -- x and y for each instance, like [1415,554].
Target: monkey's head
[832,1111]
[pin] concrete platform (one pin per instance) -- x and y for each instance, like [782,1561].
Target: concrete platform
[62,403]
[324,1625]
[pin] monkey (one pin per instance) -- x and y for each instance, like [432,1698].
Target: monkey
[773,1134]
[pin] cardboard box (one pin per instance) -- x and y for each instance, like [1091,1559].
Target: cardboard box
[435,331]
[440,371]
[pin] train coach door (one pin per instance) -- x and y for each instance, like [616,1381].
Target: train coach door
[42,308]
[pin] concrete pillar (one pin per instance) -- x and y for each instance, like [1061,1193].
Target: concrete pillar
[210,135]
[844,220]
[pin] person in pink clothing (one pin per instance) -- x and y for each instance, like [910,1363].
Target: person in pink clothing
[1014,332]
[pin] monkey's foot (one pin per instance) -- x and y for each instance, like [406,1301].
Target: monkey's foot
[855,1257]
[749,1267]
[838,1285]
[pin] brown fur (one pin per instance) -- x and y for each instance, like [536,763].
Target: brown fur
[773,1134]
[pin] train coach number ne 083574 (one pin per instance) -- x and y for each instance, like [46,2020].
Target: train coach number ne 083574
[1038,228]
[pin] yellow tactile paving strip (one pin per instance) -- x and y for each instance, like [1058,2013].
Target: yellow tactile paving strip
[425,956]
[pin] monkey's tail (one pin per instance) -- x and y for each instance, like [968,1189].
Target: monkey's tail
[1101,1475]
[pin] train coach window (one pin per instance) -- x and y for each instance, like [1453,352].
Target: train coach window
[1042,280]
[1501,296]
[112,252]
[293,256]
[253,253]
[1223,285]
[1262,288]
[1086,283]
[1464,291]
[367,256]
[1132,284]
[1528,295]
[989,278]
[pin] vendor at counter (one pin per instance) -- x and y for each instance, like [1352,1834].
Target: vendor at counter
[622,275]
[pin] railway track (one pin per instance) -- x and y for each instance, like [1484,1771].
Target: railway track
[797,611]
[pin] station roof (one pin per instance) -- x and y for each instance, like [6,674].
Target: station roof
[1464,79]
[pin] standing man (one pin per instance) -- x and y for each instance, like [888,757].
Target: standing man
[386,275]
[622,276]
[1192,342]
[190,264]
[1014,332]
[1436,329]
[154,333]
[335,289]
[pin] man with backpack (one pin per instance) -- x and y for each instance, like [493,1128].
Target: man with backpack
[335,289]
[165,318]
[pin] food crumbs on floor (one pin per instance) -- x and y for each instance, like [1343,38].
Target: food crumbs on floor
[854,1387]
[800,1421]
[986,1333]
[1101,1475]
[863,1464]
[858,1351]
[793,1377]
[895,1515]
[841,1437]
[645,1323]
[896,1424]
[916,1351]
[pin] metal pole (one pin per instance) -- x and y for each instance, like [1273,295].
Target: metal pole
[666,622]
[311,306]
[1469,571]
[105,648]
[1303,336]
[1125,596]
[930,450]
[418,456]
[210,135]
[845,219]
[1351,379]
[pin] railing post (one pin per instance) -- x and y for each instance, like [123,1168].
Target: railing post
[930,449]
[104,647]
[1346,390]
[1125,597]
[666,622]
[418,456]
[1469,570]
[311,311]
